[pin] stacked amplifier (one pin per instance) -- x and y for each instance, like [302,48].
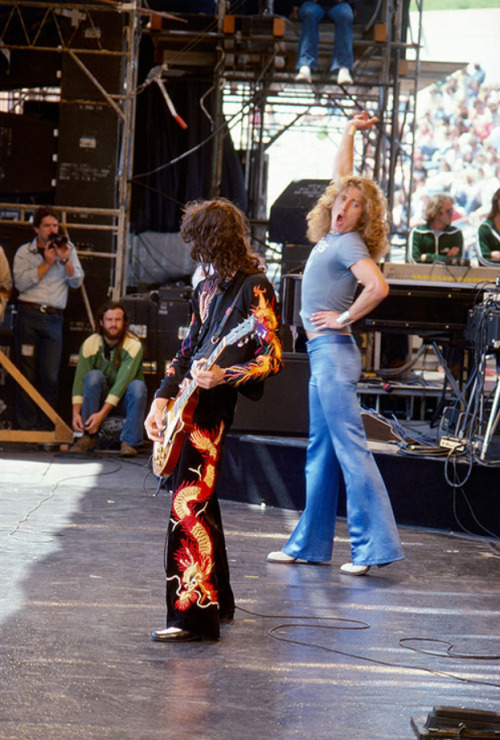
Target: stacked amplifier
[161,319]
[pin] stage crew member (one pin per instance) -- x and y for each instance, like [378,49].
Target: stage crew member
[235,299]
[350,222]
[437,240]
[109,380]
[488,233]
[44,269]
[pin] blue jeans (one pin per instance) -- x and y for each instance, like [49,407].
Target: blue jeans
[341,15]
[38,345]
[132,406]
[337,441]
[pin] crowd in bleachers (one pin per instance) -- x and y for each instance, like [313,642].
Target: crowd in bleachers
[457,139]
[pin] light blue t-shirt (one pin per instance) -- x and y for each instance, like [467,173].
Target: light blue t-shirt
[328,283]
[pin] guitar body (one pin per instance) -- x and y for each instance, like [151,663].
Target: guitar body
[177,427]
[177,420]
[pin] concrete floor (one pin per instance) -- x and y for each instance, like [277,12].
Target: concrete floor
[311,653]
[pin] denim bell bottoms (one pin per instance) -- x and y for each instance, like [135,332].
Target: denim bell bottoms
[337,441]
[311,13]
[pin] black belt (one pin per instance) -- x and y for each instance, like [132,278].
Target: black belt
[42,307]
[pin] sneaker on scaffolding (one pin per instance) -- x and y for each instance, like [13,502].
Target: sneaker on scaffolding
[344,77]
[304,75]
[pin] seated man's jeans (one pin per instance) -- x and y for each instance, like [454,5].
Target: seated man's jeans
[132,406]
[341,15]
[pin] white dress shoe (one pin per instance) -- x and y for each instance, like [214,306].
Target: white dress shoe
[280,557]
[304,75]
[354,570]
[344,77]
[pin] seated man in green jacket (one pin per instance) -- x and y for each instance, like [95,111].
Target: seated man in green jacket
[437,239]
[109,379]
[488,234]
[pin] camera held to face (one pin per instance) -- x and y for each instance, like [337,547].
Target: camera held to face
[57,240]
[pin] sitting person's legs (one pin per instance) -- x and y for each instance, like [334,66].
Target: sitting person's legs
[310,14]
[342,16]
[133,407]
[94,392]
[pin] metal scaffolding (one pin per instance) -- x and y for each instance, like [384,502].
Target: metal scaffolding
[248,62]
[251,60]
[50,30]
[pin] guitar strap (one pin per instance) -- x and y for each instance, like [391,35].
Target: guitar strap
[237,285]
[254,389]
[238,281]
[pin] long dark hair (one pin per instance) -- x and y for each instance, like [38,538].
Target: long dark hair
[216,231]
[495,208]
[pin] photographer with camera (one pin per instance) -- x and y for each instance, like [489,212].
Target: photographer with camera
[44,269]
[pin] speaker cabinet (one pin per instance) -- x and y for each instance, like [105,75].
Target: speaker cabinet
[283,406]
[287,219]
[174,319]
[27,149]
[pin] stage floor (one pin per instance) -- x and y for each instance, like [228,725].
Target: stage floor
[311,653]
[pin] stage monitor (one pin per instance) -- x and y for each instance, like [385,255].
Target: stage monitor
[287,220]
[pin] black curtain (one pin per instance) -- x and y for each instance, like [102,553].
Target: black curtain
[157,199]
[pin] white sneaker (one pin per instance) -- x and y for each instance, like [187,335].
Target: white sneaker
[280,557]
[354,570]
[304,75]
[344,77]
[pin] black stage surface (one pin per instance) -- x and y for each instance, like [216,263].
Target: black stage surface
[311,653]
[439,492]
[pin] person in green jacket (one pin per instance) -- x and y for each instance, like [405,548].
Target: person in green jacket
[437,239]
[488,234]
[109,380]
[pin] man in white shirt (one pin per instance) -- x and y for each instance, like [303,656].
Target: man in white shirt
[44,269]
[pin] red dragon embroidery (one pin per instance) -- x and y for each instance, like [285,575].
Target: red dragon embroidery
[195,555]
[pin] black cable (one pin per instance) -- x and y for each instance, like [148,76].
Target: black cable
[50,494]
[451,461]
[474,517]
[447,653]
[358,625]
[273,633]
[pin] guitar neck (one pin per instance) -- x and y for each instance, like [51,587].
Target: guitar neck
[191,386]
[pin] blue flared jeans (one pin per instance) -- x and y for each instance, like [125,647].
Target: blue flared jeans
[132,406]
[337,442]
[311,14]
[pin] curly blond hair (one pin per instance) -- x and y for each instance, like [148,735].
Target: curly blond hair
[373,226]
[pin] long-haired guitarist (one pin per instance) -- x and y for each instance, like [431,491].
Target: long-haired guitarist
[232,345]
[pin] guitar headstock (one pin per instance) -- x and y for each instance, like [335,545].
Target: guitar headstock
[241,332]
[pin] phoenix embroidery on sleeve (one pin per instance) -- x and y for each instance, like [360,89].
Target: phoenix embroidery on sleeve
[269,358]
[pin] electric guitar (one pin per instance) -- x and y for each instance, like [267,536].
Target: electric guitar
[177,419]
